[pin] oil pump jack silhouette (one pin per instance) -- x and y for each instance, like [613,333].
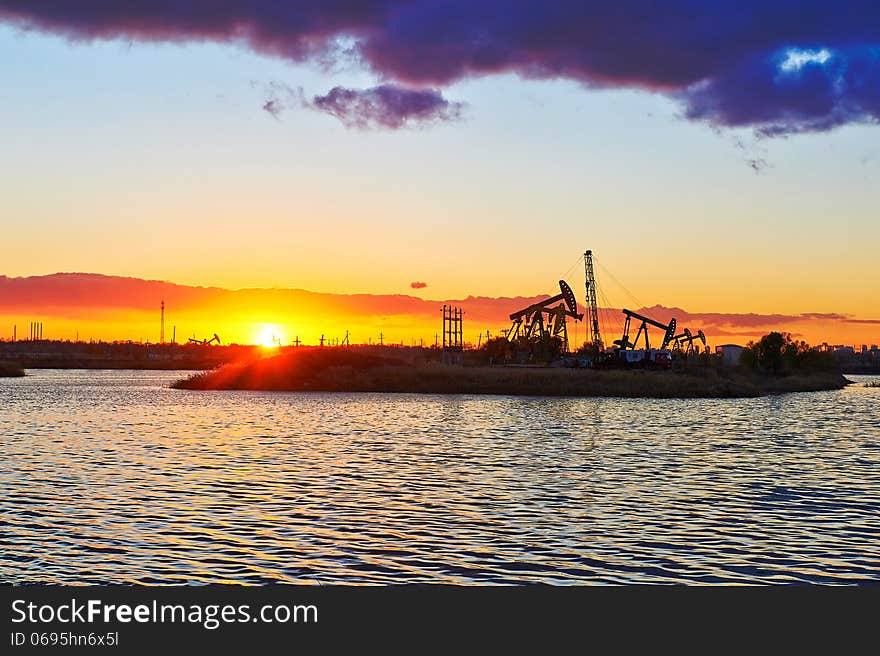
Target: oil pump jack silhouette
[540,321]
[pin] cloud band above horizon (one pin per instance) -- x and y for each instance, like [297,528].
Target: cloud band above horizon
[780,68]
[114,307]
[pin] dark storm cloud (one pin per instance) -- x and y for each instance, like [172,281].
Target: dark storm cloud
[781,67]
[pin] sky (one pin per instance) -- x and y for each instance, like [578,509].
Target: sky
[349,149]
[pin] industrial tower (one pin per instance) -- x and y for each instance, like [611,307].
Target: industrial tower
[592,307]
[162,328]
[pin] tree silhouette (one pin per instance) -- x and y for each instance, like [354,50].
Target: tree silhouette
[778,354]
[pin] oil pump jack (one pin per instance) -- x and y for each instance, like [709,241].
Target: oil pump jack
[530,324]
[205,342]
[684,343]
[628,350]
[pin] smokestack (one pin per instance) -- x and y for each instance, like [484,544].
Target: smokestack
[162,328]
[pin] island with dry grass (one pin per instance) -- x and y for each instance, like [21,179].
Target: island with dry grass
[365,370]
[10,370]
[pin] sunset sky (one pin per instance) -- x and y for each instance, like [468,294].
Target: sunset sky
[711,165]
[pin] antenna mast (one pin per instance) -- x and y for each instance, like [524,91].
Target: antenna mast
[592,306]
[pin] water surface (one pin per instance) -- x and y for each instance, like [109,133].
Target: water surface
[110,476]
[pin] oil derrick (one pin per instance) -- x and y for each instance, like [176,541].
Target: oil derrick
[595,339]
[530,327]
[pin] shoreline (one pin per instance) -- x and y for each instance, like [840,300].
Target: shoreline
[11,370]
[352,373]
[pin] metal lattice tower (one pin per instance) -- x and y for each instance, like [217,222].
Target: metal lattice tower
[592,306]
[453,336]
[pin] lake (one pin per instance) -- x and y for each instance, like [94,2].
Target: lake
[112,477]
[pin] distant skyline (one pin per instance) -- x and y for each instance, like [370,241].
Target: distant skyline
[115,308]
[140,147]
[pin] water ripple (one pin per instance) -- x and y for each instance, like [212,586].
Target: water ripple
[113,477]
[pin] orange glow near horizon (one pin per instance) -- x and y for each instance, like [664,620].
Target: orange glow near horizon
[279,328]
[92,307]
[269,335]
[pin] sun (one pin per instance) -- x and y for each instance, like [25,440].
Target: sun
[269,335]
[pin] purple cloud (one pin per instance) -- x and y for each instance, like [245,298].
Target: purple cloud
[831,316]
[781,68]
[386,106]
[792,90]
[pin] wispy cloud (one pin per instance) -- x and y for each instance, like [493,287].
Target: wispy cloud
[273,107]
